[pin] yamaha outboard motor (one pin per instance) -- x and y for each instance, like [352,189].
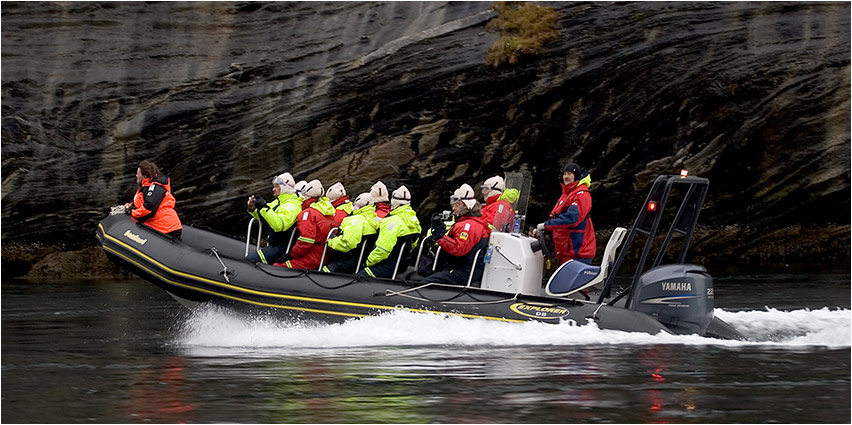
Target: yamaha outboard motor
[679,296]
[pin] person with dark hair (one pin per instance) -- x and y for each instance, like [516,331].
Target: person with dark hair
[570,222]
[153,204]
[469,234]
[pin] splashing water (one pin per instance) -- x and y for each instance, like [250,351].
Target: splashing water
[211,326]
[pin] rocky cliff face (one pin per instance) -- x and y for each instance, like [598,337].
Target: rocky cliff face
[223,96]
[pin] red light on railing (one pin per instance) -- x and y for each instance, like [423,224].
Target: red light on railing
[683,173]
[652,206]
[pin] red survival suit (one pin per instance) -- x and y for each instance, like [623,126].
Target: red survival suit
[313,223]
[342,208]
[497,212]
[154,205]
[461,243]
[573,232]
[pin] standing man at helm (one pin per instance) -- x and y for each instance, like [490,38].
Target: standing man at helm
[313,223]
[468,235]
[570,222]
[279,215]
[397,231]
[498,210]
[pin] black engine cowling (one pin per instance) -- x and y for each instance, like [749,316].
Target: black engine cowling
[679,296]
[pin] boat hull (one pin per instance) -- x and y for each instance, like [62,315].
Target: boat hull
[206,267]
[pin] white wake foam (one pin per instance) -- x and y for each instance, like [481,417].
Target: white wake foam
[209,326]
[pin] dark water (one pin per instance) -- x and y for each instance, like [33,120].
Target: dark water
[103,351]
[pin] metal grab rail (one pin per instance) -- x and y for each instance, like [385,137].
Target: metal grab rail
[472,269]
[292,235]
[435,263]
[325,248]
[361,257]
[248,234]
[399,259]
[419,254]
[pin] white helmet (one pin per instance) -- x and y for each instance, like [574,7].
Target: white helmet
[495,183]
[285,180]
[362,200]
[401,196]
[335,192]
[379,192]
[300,187]
[313,189]
[465,194]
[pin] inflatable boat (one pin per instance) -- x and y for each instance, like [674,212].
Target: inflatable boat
[205,266]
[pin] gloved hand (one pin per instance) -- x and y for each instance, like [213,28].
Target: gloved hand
[259,202]
[534,231]
[438,231]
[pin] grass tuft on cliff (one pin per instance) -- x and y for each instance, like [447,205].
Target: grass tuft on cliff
[525,28]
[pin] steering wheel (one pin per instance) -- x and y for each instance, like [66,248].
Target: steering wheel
[545,241]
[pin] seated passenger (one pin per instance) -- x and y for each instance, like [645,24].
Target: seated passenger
[300,186]
[380,199]
[342,207]
[498,211]
[399,228]
[353,231]
[279,215]
[313,223]
[459,246]
[153,204]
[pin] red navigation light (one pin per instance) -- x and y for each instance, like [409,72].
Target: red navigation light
[684,173]
[652,206]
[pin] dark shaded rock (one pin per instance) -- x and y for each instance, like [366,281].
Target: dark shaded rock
[222,96]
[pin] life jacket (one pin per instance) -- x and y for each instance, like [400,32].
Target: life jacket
[154,205]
